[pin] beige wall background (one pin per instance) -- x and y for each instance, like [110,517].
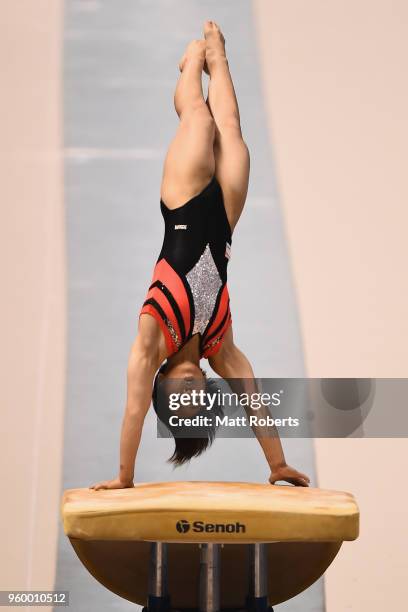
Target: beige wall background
[32,323]
[334,75]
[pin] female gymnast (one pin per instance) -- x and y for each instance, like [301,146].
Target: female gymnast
[186,315]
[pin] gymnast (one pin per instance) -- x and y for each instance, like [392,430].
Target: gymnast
[186,314]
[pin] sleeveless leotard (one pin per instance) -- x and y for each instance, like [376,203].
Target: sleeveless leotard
[188,294]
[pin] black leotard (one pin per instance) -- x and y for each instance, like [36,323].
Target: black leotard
[189,293]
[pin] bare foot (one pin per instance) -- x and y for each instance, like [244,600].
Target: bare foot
[196,49]
[215,43]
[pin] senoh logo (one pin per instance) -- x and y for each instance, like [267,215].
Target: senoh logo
[184,526]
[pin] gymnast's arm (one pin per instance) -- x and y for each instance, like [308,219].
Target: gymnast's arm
[144,360]
[231,363]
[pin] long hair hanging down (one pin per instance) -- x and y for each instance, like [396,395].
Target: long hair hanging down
[186,447]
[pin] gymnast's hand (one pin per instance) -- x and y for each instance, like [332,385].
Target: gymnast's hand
[116,483]
[289,474]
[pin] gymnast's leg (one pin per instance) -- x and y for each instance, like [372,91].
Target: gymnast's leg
[230,151]
[189,164]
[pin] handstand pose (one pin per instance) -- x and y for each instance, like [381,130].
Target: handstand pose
[186,314]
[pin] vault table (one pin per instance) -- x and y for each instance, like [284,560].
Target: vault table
[208,545]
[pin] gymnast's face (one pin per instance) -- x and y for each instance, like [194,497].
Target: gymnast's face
[184,378]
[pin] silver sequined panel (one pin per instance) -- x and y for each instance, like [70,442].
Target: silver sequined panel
[205,284]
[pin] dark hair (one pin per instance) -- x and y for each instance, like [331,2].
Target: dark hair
[186,447]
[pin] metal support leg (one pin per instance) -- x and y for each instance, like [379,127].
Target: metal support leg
[210,578]
[258,578]
[158,595]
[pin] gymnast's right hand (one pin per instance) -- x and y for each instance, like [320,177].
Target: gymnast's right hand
[116,483]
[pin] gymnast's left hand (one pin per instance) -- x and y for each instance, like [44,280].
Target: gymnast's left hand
[289,474]
[116,483]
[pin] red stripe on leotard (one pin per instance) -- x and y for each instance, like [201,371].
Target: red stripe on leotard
[215,343]
[164,273]
[222,309]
